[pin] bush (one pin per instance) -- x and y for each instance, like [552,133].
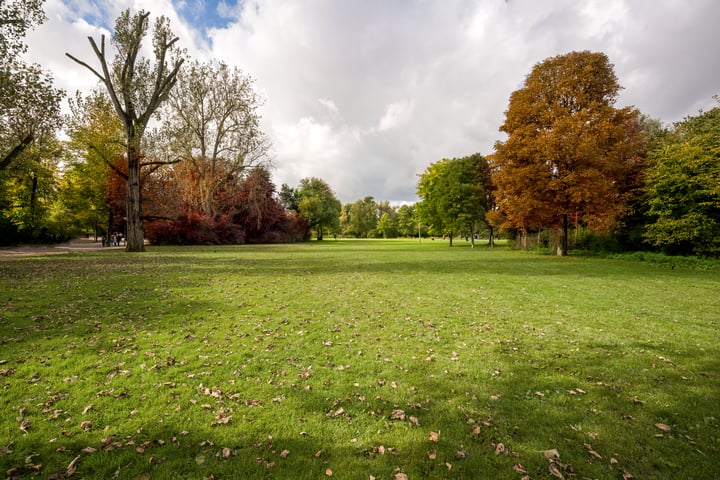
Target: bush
[194,229]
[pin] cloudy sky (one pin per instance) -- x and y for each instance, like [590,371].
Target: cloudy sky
[365,94]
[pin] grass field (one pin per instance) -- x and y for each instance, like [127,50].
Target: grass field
[357,360]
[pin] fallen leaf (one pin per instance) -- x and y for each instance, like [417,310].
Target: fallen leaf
[89,450]
[397,414]
[284,453]
[72,467]
[549,454]
[591,451]
[401,476]
[25,425]
[432,454]
[434,437]
[663,427]
[554,471]
[328,472]
[226,452]
[414,421]
[519,469]
[476,430]
[500,449]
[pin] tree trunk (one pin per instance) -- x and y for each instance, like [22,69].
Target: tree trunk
[135,238]
[451,235]
[562,244]
[491,238]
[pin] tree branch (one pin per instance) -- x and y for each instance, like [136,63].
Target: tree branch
[15,152]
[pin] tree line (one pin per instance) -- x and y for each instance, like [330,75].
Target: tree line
[170,150]
[576,171]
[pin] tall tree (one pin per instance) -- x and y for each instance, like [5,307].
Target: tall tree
[683,188]
[212,119]
[136,87]
[289,198]
[29,104]
[95,142]
[408,221]
[361,218]
[569,150]
[318,205]
[387,225]
[453,195]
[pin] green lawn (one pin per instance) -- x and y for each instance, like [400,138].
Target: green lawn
[357,359]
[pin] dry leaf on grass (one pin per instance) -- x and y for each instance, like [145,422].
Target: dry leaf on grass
[554,471]
[549,454]
[434,437]
[591,451]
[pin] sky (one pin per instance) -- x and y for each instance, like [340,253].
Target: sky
[366,94]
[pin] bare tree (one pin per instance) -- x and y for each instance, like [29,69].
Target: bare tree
[136,87]
[212,122]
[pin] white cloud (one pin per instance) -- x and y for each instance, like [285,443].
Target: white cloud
[396,115]
[367,94]
[329,104]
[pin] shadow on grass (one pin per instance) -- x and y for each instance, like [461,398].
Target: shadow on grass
[611,410]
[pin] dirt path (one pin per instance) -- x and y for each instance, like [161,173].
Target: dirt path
[77,245]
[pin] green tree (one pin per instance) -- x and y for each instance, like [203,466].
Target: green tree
[95,141]
[569,151]
[289,198]
[318,205]
[683,187]
[453,195]
[387,225]
[408,222]
[29,104]
[136,87]
[361,218]
[28,192]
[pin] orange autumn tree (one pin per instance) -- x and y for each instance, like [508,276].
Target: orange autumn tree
[569,151]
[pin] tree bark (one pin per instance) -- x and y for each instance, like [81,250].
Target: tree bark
[135,237]
[562,244]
